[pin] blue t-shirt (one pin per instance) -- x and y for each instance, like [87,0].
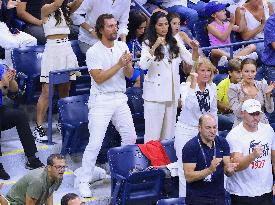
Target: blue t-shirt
[268,56]
[192,153]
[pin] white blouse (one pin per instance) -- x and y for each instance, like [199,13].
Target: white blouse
[190,111]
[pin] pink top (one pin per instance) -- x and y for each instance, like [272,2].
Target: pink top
[214,41]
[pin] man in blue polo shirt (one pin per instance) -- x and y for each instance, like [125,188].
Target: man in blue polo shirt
[206,158]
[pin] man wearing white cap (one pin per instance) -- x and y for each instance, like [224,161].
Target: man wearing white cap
[252,146]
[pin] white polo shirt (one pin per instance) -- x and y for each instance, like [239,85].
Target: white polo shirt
[101,57]
[257,179]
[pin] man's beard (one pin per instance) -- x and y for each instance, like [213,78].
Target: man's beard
[112,37]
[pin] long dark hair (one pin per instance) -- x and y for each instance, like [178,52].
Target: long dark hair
[65,10]
[152,37]
[136,18]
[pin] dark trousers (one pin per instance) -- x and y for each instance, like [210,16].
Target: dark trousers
[265,199]
[9,118]
[205,200]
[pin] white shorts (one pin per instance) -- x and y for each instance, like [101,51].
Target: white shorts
[58,55]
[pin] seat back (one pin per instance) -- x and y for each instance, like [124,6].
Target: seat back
[219,77]
[28,60]
[135,103]
[171,201]
[201,34]
[169,149]
[125,159]
[73,110]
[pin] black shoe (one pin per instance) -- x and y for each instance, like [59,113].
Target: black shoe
[3,174]
[34,163]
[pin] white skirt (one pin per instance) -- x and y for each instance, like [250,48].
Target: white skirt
[58,55]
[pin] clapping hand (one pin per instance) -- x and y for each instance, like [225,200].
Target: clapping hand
[125,59]
[231,167]
[258,151]
[214,164]
[270,88]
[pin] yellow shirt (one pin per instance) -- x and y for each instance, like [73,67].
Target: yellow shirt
[222,89]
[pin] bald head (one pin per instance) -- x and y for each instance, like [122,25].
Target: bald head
[206,117]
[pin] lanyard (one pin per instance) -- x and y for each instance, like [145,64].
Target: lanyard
[203,154]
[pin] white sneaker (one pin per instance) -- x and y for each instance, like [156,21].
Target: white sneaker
[39,134]
[84,189]
[223,61]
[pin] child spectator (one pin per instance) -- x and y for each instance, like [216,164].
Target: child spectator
[226,116]
[182,39]
[219,30]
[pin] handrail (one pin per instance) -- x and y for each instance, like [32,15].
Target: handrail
[231,45]
[142,8]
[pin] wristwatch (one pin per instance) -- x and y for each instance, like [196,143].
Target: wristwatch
[91,30]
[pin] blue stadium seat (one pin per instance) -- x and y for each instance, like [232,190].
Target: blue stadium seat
[135,102]
[172,201]
[224,133]
[132,183]
[273,126]
[219,77]
[201,35]
[28,61]
[73,114]
[169,149]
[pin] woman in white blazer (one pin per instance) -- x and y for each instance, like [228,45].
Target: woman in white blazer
[199,96]
[161,55]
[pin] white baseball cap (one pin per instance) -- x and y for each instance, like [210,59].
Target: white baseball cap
[252,106]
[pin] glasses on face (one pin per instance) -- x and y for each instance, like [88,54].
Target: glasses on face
[60,168]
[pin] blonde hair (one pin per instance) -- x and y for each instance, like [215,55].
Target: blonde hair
[205,61]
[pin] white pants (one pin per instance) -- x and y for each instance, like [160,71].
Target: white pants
[160,120]
[183,134]
[102,109]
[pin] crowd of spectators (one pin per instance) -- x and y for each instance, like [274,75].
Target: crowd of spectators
[178,75]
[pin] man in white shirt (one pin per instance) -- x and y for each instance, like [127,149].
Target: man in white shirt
[252,146]
[90,10]
[108,61]
[189,10]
